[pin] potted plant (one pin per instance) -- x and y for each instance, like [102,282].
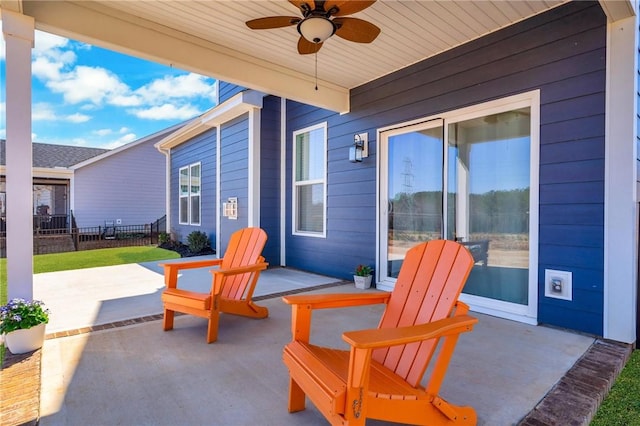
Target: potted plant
[362,276]
[22,323]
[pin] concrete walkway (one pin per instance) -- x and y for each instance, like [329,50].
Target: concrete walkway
[94,296]
[138,374]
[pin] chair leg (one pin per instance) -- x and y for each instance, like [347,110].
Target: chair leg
[296,397]
[212,329]
[168,320]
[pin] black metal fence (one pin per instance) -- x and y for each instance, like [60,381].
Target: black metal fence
[54,234]
[51,224]
[115,236]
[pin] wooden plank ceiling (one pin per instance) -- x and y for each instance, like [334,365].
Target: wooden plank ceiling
[267,60]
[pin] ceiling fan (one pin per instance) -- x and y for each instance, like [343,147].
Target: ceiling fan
[320,20]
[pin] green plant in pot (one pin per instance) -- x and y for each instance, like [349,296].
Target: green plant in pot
[362,276]
[22,324]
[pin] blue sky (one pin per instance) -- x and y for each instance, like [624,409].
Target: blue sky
[88,96]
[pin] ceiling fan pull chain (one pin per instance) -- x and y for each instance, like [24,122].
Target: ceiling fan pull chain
[316,70]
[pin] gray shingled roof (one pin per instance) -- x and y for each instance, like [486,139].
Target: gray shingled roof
[50,156]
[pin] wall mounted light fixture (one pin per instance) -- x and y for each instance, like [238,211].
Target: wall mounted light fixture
[360,148]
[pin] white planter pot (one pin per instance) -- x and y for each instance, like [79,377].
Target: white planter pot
[362,282]
[25,340]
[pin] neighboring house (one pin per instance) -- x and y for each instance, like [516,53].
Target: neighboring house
[511,126]
[123,186]
[52,178]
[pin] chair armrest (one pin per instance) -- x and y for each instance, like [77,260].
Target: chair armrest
[337,300]
[171,269]
[385,337]
[220,275]
[240,269]
[191,264]
[302,305]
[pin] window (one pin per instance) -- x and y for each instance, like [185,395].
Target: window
[189,195]
[309,180]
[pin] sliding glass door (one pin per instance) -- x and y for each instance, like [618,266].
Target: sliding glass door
[482,160]
[489,185]
[413,190]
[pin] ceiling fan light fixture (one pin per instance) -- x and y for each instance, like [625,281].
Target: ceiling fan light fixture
[316,29]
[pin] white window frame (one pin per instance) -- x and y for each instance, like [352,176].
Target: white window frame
[295,184]
[526,314]
[189,195]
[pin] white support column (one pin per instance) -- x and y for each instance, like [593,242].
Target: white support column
[620,218]
[283,182]
[18,31]
[218,188]
[254,168]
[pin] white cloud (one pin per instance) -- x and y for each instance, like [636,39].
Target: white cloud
[43,111]
[3,107]
[44,43]
[102,132]
[125,100]
[123,130]
[44,69]
[88,84]
[51,54]
[181,86]
[77,118]
[166,112]
[125,139]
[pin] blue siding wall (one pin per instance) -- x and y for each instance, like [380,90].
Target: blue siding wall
[234,169]
[351,198]
[270,178]
[562,53]
[227,90]
[201,149]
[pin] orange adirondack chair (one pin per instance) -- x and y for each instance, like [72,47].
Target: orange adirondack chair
[232,284]
[380,376]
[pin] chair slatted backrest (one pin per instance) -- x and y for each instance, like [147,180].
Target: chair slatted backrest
[244,248]
[430,281]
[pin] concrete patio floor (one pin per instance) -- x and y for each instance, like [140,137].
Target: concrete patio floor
[138,374]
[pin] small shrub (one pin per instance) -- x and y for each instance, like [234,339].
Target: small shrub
[197,241]
[164,237]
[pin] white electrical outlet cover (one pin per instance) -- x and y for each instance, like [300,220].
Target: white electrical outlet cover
[567,285]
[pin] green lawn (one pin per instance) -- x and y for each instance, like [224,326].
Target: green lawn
[622,405]
[87,259]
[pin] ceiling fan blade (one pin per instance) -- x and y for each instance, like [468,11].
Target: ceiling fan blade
[305,47]
[354,29]
[272,22]
[299,4]
[347,7]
